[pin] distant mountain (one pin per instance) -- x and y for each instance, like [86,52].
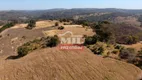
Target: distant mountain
[24,15]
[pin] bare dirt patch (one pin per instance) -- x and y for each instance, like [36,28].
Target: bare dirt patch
[48,23]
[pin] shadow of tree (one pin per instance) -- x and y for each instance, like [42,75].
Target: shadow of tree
[13,57]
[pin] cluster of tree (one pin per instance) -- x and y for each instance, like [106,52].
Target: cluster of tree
[37,44]
[64,20]
[131,56]
[110,33]
[128,54]
[103,49]
[117,33]
[31,24]
[98,49]
[104,33]
[81,22]
[127,34]
[139,59]
[131,39]
[8,25]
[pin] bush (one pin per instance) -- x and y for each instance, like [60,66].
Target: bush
[119,47]
[138,61]
[29,47]
[61,28]
[115,51]
[98,48]
[22,51]
[56,24]
[23,37]
[0,36]
[31,24]
[90,40]
[140,53]
[53,41]
[128,54]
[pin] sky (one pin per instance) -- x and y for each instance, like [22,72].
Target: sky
[50,4]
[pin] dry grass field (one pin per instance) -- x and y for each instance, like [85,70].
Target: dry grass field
[19,26]
[54,64]
[75,29]
[48,23]
[43,24]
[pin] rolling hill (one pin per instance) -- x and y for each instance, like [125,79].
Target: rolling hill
[54,64]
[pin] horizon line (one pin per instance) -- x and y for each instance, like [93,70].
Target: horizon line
[64,9]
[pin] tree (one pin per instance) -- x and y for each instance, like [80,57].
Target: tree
[104,32]
[90,40]
[31,24]
[22,51]
[132,40]
[128,54]
[53,41]
[85,23]
[56,24]
[61,28]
